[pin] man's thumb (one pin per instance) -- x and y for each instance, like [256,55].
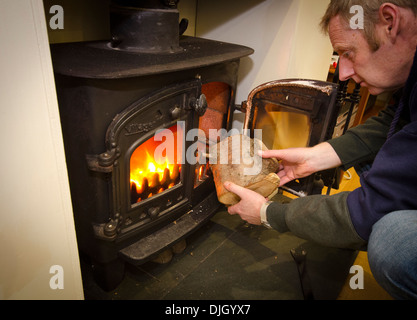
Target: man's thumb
[230,186]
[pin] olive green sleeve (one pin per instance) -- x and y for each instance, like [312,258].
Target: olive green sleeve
[319,218]
[361,144]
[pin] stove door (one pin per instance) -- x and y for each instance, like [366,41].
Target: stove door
[152,182]
[293,113]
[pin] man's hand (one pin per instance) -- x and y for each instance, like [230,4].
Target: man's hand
[301,162]
[249,207]
[294,163]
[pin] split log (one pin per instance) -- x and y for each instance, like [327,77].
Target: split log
[244,167]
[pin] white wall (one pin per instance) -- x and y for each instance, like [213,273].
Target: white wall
[36,221]
[284,34]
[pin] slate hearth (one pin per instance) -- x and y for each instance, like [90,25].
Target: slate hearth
[227,259]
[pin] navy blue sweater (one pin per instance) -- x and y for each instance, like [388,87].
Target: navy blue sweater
[391,183]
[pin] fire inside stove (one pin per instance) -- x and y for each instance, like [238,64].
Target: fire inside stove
[155,166]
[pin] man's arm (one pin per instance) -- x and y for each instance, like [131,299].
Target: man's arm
[323,219]
[361,144]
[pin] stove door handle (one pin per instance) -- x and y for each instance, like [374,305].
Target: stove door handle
[200,105]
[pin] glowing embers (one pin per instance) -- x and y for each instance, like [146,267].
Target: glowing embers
[201,174]
[152,172]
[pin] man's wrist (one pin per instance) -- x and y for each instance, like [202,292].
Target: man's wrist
[325,157]
[264,218]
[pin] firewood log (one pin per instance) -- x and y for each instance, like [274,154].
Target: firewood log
[243,167]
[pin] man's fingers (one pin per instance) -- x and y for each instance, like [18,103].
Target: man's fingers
[231,210]
[284,181]
[242,192]
[271,154]
[236,190]
[230,186]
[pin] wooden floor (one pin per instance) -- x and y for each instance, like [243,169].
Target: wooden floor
[372,290]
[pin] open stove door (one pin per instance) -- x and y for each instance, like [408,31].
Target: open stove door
[294,113]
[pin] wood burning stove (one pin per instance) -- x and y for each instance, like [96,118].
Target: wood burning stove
[114,97]
[123,99]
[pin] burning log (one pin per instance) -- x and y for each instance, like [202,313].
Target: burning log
[156,185]
[175,176]
[166,179]
[155,181]
[134,196]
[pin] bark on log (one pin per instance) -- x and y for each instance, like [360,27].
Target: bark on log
[236,159]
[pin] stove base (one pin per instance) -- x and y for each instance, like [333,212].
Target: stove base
[109,275]
[150,246]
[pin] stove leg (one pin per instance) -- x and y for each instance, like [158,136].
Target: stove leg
[109,275]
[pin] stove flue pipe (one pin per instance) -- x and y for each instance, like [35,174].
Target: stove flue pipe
[148,26]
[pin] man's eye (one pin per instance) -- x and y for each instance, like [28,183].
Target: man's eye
[346,55]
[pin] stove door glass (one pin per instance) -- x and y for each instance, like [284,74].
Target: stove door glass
[155,166]
[284,128]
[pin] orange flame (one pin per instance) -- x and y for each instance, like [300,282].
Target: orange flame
[137,175]
[147,173]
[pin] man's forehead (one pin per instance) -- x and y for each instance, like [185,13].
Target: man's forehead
[339,24]
[341,35]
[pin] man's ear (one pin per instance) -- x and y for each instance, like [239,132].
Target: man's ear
[389,19]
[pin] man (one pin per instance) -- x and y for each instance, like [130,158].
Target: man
[381,215]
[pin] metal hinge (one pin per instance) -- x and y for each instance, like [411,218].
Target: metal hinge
[103,162]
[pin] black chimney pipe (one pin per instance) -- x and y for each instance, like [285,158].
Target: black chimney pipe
[148,26]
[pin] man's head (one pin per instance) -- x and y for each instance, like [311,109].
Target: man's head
[380,56]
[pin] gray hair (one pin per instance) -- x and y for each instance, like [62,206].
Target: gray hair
[370,12]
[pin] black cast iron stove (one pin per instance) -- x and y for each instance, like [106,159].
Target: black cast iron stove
[114,96]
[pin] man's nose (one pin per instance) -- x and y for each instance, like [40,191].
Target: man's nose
[346,70]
